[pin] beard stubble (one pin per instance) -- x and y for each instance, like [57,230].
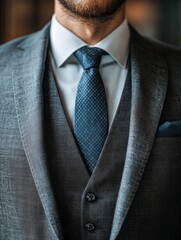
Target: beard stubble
[92,9]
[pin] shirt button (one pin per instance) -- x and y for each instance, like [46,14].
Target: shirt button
[90,197]
[90,227]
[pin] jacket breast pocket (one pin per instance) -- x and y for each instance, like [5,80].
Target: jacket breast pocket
[167,148]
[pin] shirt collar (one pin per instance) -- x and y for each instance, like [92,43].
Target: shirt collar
[64,43]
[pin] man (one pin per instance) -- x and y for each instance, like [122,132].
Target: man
[90,130]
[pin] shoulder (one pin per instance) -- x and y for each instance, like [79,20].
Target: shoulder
[154,52]
[157,48]
[172,56]
[8,49]
[171,53]
[15,53]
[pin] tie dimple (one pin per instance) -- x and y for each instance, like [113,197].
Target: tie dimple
[91,116]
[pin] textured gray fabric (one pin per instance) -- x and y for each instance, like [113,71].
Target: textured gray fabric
[70,178]
[148,204]
[28,210]
[155,73]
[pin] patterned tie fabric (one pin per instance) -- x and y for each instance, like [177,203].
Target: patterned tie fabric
[91,114]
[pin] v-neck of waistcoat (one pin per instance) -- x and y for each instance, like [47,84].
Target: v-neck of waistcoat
[61,117]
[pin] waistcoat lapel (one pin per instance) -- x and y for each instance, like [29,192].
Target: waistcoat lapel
[149,87]
[28,69]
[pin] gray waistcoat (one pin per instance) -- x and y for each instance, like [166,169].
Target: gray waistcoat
[86,203]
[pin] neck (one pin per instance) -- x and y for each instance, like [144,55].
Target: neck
[90,31]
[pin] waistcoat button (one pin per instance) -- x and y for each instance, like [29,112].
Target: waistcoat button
[89,227]
[90,197]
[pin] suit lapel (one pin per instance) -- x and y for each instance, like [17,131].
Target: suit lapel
[149,87]
[28,69]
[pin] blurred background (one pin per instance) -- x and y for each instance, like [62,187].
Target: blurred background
[160,19]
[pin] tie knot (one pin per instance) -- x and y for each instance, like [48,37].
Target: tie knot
[89,57]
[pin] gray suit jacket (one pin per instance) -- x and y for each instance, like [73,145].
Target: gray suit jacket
[149,199]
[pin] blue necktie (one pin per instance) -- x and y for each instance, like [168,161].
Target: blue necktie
[91,114]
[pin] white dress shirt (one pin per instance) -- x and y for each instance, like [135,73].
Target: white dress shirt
[68,71]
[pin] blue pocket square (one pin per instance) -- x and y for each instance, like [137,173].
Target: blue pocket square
[170,129]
